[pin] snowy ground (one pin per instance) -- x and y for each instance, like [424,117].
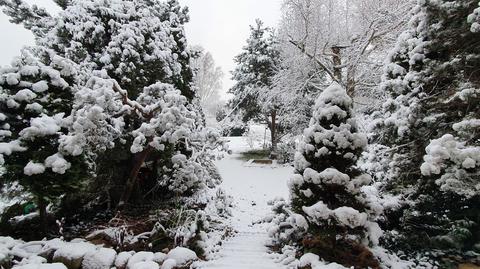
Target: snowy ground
[251,187]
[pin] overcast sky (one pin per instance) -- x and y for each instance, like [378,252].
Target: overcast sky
[220,26]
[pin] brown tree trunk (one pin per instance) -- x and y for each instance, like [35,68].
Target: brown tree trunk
[138,161]
[273,130]
[42,210]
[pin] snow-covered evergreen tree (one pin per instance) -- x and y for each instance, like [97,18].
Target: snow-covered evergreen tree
[134,106]
[326,187]
[431,125]
[254,96]
[35,101]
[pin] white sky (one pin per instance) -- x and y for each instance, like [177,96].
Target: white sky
[14,37]
[220,26]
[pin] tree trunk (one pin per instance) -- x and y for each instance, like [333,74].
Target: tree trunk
[138,161]
[350,82]
[42,210]
[337,71]
[273,130]
[337,62]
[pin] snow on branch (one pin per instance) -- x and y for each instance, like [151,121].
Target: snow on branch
[33,18]
[301,47]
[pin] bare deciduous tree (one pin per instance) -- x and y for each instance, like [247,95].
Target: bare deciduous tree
[208,81]
[346,39]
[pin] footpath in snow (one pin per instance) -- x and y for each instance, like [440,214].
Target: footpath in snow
[251,187]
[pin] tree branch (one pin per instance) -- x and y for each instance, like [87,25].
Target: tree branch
[146,113]
[320,63]
[31,17]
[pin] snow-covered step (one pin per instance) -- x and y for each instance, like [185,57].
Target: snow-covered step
[246,240]
[245,258]
[231,265]
[245,247]
[241,252]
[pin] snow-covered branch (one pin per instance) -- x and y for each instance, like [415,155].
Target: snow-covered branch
[33,18]
[324,67]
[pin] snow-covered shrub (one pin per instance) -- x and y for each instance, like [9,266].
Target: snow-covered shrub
[209,228]
[181,227]
[35,101]
[374,161]
[222,203]
[400,112]
[197,170]
[286,148]
[474,19]
[231,124]
[288,227]
[327,186]
[450,174]
[12,193]
[169,125]
[455,164]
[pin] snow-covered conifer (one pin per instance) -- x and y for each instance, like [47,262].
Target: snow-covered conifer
[326,187]
[431,124]
[134,107]
[254,95]
[35,100]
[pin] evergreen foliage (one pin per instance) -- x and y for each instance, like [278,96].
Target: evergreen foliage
[35,101]
[327,185]
[132,108]
[431,125]
[253,74]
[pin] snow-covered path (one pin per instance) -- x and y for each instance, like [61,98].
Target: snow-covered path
[251,188]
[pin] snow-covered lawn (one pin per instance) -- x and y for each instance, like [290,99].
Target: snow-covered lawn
[251,187]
